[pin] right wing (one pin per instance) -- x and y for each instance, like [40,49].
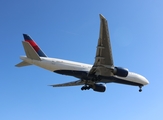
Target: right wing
[103,64]
[74,83]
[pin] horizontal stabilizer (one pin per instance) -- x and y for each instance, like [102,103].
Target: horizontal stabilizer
[30,52]
[74,83]
[22,64]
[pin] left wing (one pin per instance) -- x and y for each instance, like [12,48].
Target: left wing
[103,64]
[74,83]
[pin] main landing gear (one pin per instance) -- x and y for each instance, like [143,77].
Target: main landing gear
[85,87]
[140,88]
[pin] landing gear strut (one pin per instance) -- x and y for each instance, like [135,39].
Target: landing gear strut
[85,87]
[140,88]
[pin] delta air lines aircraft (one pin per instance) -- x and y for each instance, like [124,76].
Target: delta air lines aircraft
[89,76]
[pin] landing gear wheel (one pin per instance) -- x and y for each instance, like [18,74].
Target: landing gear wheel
[86,87]
[140,90]
[82,88]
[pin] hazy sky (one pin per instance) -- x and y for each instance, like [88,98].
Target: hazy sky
[69,29]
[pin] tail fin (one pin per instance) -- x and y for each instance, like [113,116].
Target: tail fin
[32,51]
[28,39]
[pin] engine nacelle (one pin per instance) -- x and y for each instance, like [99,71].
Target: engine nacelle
[121,72]
[99,87]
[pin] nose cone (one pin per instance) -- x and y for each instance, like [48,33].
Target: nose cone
[144,80]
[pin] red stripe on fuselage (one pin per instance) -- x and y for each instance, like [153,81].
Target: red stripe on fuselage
[33,44]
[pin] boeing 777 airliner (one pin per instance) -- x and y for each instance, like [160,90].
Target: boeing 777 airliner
[89,76]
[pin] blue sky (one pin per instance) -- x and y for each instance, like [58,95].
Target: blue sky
[69,30]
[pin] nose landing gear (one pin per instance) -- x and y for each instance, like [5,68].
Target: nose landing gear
[140,88]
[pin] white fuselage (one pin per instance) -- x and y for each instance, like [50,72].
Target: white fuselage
[54,64]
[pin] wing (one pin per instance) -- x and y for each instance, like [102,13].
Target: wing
[74,83]
[103,59]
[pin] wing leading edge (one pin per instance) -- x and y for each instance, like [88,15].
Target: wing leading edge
[103,58]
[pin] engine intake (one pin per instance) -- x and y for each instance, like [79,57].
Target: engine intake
[121,72]
[99,87]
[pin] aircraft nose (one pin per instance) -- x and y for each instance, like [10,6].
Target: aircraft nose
[145,81]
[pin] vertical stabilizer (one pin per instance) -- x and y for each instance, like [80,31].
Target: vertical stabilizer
[31,49]
[28,39]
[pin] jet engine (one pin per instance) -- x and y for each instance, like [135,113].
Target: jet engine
[121,72]
[99,87]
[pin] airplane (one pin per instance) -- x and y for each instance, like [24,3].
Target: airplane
[89,76]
